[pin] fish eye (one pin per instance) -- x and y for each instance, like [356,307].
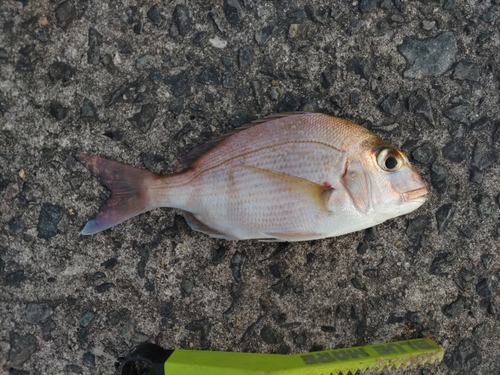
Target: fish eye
[389,160]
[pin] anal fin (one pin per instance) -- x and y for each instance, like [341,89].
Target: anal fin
[197,225]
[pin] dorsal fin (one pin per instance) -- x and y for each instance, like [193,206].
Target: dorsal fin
[188,159]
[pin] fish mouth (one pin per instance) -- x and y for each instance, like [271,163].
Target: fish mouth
[416,195]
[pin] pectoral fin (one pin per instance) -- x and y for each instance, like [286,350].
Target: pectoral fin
[300,187]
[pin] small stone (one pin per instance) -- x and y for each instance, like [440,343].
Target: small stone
[257,92]
[439,177]
[423,154]
[289,103]
[483,288]
[110,263]
[86,319]
[178,83]
[394,319]
[263,35]
[154,15]
[182,19]
[145,62]
[65,13]
[217,20]
[60,71]
[416,228]
[358,284]
[21,348]
[441,260]
[241,117]
[372,273]
[455,151]
[37,312]
[14,277]
[155,76]
[233,12]
[449,5]
[458,114]
[268,335]
[484,156]
[272,93]
[466,71]
[103,287]
[465,231]
[144,119]
[210,76]
[187,286]
[199,36]
[362,248]
[237,264]
[486,259]
[58,111]
[354,27]
[128,329]
[465,357]
[326,80]
[23,66]
[300,31]
[359,66]
[89,359]
[301,339]
[420,104]
[3,54]
[228,80]
[48,327]
[429,57]
[392,106]
[367,5]
[50,216]
[428,24]
[444,215]
[88,110]
[455,307]
[176,106]
[245,56]
[496,134]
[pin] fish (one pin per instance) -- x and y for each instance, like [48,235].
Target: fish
[286,177]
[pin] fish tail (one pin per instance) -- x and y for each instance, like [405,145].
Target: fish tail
[129,188]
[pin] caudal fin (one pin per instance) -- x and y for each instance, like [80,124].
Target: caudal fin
[129,192]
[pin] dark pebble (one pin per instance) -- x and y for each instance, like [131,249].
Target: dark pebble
[326,80]
[16,225]
[110,263]
[166,309]
[439,262]
[37,312]
[178,83]
[237,264]
[155,76]
[103,287]
[176,106]
[182,19]
[483,288]
[149,286]
[297,14]
[258,93]
[245,56]
[75,369]
[65,13]
[394,319]
[228,80]
[89,359]
[465,357]
[464,278]
[328,329]
[60,71]
[455,307]
[362,248]
[358,284]
[241,117]
[455,151]
[279,318]
[117,94]
[478,329]
[466,71]
[458,114]
[444,215]
[354,27]
[14,371]
[198,325]
[217,20]
[465,231]
[359,66]
[439,177]
[187,286]
[3,54]
[23,65]
[301,339]
[144,119]
[268,335]
[125,49]
[154,15]
[392,106]
[484,156]
[199,36]
[428,57]
[481,124]
[137,28]
[263,35]
[50,216]
[289,103]
[233,12]
[219,254]
[423,154]
[48,327]
[227,62]
[88,110]
[367,5]
[372,273]
[486,259]
[449,5]
[144,252]
[420,104]
[21,348]
[86,318]
[2,267]
[210,76]
[144,62]
[114,317]
[496,134]
[58,111]
[416,228]
[275,271]
[98,275]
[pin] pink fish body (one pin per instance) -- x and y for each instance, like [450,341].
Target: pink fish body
[289,177]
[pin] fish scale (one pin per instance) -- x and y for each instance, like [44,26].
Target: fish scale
[288,177]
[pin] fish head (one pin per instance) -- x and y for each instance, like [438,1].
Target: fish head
[383,182]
